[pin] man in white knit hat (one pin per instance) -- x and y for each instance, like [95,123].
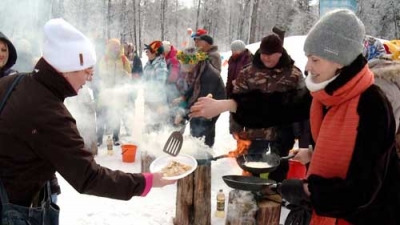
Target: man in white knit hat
[38,136]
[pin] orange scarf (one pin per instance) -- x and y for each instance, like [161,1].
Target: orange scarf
[335,133]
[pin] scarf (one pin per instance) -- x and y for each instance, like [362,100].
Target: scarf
[313,87]
[335,132]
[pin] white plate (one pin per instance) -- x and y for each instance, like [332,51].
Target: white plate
[158,164]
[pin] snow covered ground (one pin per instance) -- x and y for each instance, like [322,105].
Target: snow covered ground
[158,207]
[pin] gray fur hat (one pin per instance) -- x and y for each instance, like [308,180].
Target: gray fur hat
[337,37]
[238,45]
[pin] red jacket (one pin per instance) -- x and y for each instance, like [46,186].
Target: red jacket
[172,65]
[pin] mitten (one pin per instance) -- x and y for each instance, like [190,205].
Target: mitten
[292,190]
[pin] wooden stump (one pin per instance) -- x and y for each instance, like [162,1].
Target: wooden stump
[94,148]
[242,208]
[145,161]
[269,212]
[193,198]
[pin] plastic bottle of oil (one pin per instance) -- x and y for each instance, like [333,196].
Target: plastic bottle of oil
[220,204]
[109,146]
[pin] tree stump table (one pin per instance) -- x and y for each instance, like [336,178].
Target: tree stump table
[145,161]
[193,197]
[245,209]
[269,210]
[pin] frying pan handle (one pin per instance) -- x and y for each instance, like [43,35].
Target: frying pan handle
[182,130]
[220,157]
[291,156]
[275,187]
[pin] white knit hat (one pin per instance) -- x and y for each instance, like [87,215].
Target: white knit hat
[167,46]
[66,48]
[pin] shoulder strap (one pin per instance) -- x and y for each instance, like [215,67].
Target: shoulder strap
[10,89]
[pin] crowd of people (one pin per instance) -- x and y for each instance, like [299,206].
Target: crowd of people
[346,107]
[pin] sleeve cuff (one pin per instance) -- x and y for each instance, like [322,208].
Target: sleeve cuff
[148,177]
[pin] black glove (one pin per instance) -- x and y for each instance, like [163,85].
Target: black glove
[292,190]
[299,214]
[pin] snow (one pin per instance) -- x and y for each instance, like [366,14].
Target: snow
[158,207]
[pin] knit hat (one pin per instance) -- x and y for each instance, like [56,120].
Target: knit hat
[238,46]
[271,44]
[167,46]
[337,37]
[199,32]
[66,48]
[155,47]
[207,39]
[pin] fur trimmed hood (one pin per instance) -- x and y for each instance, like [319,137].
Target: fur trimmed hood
[386,69]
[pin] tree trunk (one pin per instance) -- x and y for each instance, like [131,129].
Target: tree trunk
[134,40]
[123,22]
[162,18]
[176,22]
[145,161]
[193,198]
[105,18]
[197,16]
[230,25]
[140,29]
[108,19]
[269,210]
[253,23]
[61,8]
[85,15]
[54,8]
[244,11]
[184,200]
[242,208]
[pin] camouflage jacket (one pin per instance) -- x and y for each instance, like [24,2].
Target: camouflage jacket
[283,77]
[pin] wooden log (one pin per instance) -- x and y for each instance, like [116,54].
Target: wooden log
[269,210]
[145,161]
[242,208]
[202,195]
[184,201]
[193,198]
[94,149]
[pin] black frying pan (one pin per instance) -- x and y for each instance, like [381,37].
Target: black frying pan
[272,160]
[247,183]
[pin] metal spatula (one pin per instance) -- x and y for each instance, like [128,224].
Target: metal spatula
[174,143]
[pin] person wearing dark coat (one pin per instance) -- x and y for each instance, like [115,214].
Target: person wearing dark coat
[272,70]
[137,67]
[240,57]
[34,147]
[206,81]
[8,56]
